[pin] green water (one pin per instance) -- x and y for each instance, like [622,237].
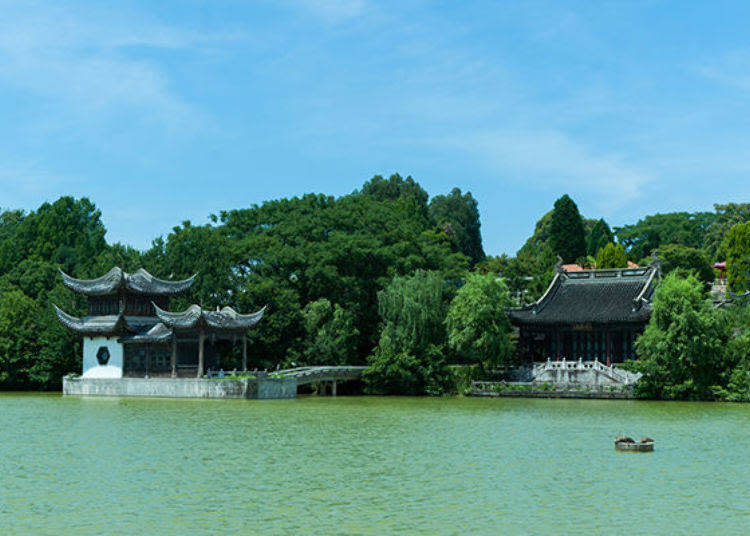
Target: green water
[370,466]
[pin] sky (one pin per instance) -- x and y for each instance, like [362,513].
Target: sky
[161,112]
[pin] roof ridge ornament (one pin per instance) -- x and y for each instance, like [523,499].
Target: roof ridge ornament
[559,265]
[656,261]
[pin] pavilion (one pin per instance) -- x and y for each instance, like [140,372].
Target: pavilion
[588,315]
[128,332]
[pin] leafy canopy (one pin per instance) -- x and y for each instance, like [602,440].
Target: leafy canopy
[477,322]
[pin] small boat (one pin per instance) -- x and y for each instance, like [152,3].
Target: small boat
[646,444]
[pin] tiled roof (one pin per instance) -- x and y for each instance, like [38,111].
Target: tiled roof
[140,282]
[593,296]
[226,319]
[105,324]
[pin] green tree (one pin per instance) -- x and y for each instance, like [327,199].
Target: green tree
[412,339]
[567,235]
[651,232]
[737,248]
[682,349]
[477,322]
[689,260]
[599,236]
[457,215]
[725,218]
[331,335]
[611,256]
[19,338]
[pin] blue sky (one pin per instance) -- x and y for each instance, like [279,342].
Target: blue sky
[165,111]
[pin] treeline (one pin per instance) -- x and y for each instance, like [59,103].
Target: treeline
[386,276]
[686,242]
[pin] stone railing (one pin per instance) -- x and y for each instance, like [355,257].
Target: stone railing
[581,372]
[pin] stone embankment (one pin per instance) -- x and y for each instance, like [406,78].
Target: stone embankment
[564,379]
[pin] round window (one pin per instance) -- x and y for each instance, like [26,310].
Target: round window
[102,355]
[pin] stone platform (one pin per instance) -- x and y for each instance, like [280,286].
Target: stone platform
[254,388]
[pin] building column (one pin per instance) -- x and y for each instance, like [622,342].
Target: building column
[609,347]
[173,361]
[244,353]
[557,344]
[201,344]
[333,388]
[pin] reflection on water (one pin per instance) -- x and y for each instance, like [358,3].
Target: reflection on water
[370,466]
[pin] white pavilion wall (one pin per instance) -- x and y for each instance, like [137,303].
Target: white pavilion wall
[91,366]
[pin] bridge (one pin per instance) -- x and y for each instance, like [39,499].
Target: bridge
[324,375]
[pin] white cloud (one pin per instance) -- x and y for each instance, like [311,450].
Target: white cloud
[546,159]
[88,67]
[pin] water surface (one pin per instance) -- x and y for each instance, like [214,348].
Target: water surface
[361,465]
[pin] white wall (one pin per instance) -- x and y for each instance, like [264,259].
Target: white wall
[91,366]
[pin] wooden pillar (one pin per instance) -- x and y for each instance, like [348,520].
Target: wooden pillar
[557,344]
[609,347]
[173,361]
[201,344]
[333,388]
[244,353]
[521,343]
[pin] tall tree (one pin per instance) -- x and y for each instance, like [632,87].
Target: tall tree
[457,215]
[567,234]
[737,248]
[599,236]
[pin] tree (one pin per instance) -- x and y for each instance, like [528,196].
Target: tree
[725,218]
[19,338]
[567,235]
[477,322]
[599,236]
[457,216]
[686,229]
[682,349]
[737,248]
[331,335]
[688,260]
[412,339]
[611,256]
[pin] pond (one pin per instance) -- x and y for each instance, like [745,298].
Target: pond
[369,465]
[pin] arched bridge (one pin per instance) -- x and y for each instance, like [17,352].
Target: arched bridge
[322,374]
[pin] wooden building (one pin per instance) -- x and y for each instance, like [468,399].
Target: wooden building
[127,331]
[587,314]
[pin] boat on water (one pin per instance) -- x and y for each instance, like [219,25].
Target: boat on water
[646,444]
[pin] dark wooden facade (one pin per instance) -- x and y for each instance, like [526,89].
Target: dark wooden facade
[588,315]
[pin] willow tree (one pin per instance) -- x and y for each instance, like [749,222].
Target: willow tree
[409,356]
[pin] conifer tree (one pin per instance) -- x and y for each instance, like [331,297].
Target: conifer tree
[567,236]
[611,256]
[600,236]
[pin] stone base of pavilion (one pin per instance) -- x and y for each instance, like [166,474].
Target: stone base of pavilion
[263,385]
[253,388]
